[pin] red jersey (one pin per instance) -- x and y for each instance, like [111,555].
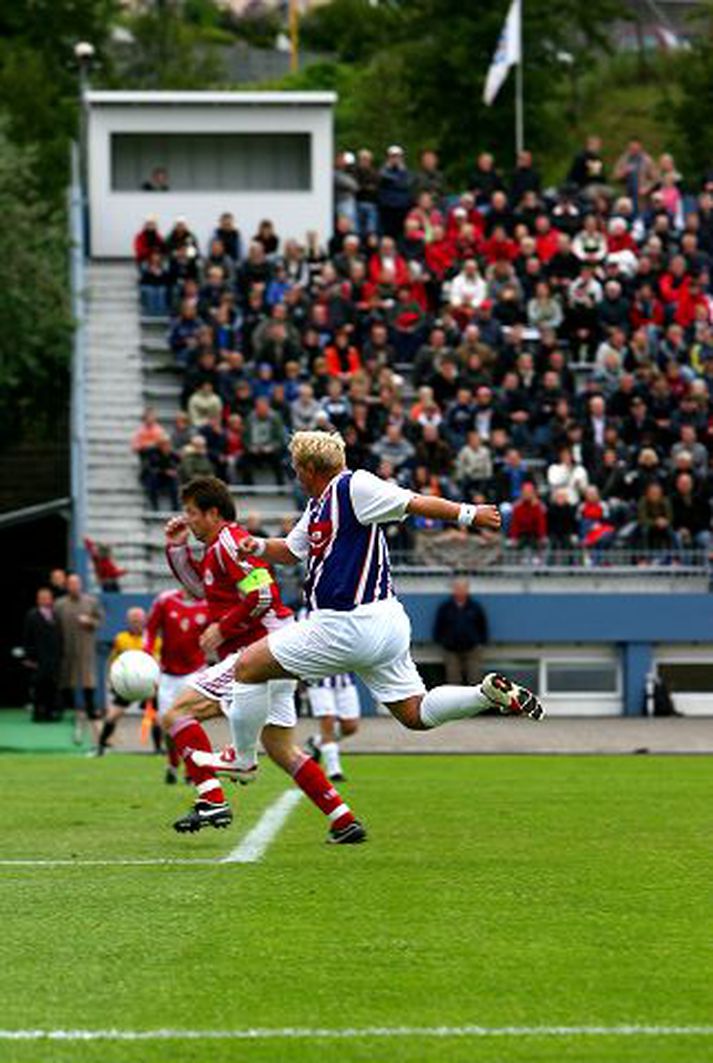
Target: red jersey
[241,592]
[180,621]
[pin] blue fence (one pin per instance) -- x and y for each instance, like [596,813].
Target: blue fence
[633,623]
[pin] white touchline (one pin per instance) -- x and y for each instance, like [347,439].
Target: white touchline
[350,1033]
[257,841]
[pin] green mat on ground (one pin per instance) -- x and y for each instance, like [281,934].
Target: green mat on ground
[18,734]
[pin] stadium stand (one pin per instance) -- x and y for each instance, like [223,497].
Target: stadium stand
[551,349]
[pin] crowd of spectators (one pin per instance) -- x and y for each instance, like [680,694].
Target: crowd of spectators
[550,349]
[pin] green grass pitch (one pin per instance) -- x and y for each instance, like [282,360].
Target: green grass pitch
[494,891]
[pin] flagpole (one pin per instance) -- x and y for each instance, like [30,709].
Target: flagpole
[519,123]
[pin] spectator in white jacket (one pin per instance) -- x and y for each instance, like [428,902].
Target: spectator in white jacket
[565,473]
[468,288]
[304,410]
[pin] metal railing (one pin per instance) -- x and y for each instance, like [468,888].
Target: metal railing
[78,448]
[614,570]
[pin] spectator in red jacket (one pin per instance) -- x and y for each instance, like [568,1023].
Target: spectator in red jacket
[673,280]
[646,309]
[545,238]
[691,296]
[148,239]
[387,256]
[499,247]
[440,254]
[106,569]
[343,359]
[528,527]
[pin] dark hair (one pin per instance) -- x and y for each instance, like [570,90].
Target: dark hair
[208,492]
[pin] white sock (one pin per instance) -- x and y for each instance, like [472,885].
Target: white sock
[330,752]
[247,718]
[452,703]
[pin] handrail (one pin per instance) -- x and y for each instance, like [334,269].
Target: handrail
[78,459]
[30,513]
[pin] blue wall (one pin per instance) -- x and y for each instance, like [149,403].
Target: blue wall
[632,621]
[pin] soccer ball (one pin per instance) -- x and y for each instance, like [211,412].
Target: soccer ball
[134,675]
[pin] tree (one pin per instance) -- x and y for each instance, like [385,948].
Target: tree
[689,107]
[424,64]
[38,77]
[168,52]
[34,308]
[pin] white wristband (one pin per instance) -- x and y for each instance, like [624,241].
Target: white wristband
[259,548]
[467,514]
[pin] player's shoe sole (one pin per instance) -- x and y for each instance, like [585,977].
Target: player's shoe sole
[338,777]
[352,834]
[223,763]
[204,814]
[511,698]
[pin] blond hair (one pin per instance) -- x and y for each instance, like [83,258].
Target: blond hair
[323,450]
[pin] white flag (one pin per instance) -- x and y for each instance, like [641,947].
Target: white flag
[507,53]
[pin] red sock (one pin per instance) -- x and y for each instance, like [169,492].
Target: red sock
[311,780]
[171,753]
[187,734]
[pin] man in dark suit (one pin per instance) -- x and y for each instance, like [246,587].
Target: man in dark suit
[461,628]
[43,652]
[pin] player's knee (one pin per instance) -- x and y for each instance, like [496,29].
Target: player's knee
[349,727]
[408,714]
[246,670]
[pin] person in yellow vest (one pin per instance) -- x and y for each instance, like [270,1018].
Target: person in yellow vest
[130,639]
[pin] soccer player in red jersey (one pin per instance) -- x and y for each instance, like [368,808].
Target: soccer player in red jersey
[175,623]
[244,605]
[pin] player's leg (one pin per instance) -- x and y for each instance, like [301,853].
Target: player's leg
[325,743]
[183,723]
[278,737]
[346,725]
[113,715]
[394,680]
[169,687]
[92,712]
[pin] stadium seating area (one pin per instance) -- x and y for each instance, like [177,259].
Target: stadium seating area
[551,349]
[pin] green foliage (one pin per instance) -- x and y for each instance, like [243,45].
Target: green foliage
[34,310]
[418,70]
[690,110]
[169,53]
[258,27]
[353,29]
[38,76]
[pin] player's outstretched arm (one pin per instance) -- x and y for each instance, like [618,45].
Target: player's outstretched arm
[463,513]
[274,551]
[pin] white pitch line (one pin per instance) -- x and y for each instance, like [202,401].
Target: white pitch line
[350,1033]
[257,841]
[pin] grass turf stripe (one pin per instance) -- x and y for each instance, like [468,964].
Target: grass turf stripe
[348,1033]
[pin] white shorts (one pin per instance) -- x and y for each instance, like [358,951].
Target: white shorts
[342,702]
[169,687]
[374,641]
[216,683]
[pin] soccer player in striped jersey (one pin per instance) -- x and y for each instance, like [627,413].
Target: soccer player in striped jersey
[334,702]
[356,623]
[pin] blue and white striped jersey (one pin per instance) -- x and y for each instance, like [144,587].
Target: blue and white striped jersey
[340,539]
